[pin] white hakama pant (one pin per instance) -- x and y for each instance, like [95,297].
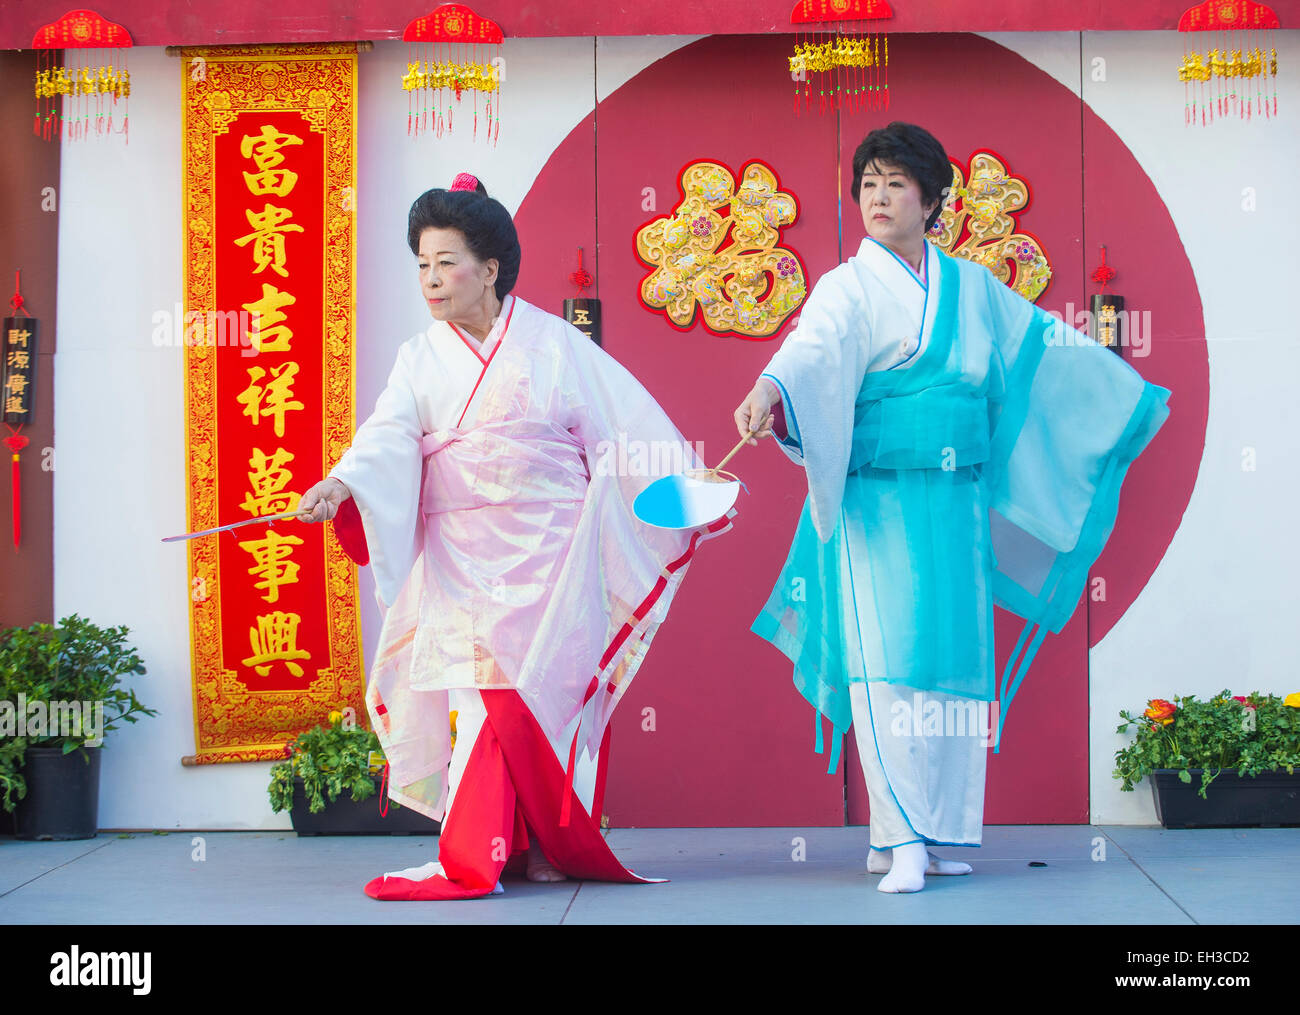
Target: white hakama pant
[924,764]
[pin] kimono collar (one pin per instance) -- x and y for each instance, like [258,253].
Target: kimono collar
[892,269]
[497,331]
[499,323]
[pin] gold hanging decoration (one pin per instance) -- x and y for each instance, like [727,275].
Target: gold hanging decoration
[451,51]
[80,97]
[836,61]
[1242,55]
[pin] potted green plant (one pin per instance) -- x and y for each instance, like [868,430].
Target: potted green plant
[1248,746]
[325,761]
[60,694]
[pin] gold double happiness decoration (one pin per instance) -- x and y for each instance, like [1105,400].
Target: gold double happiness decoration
[718,251]
[982,227]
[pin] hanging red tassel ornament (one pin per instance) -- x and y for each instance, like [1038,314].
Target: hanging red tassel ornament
[15,443]
[1104,272]
[451,51]
[582,278]
[94,76]
[830,42]
[1238,54]
[18,371]
[1107,322]
[583,312]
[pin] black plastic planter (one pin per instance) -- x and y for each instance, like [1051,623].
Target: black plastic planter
[1269,800]
[62,800]
[346,816]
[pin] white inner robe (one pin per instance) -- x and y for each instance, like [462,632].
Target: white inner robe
[508,550]
[443,394]
[922,786]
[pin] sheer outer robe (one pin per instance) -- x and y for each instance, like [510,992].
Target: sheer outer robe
[922,787]
[959,411]
[505,540]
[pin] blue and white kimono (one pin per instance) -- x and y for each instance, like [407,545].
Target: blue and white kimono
[962,448]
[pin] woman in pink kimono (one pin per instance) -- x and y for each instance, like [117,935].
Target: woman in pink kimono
[518,589]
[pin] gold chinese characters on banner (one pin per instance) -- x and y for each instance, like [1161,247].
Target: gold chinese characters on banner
[269,182]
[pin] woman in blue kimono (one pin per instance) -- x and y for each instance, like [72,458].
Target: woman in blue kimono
[962,448]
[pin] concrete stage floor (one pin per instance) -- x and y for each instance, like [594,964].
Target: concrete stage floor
[1093,875]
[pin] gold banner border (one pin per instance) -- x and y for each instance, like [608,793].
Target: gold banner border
[222,705]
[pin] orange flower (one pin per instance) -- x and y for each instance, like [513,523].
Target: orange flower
[1160,711]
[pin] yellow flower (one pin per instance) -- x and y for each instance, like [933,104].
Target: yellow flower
[1292,699]
[335,716]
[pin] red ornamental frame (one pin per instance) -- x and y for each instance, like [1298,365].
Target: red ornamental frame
[818,11]
[453,23]
[81,29]
[1228,15]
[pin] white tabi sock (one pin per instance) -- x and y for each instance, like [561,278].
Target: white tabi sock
[880,860]
[907,870]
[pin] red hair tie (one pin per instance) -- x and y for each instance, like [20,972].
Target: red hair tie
[464,181]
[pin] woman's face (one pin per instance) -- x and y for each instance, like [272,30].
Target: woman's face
[891,205]
[454,282]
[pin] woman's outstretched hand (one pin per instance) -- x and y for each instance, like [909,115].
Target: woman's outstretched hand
[757,407]
[323,500]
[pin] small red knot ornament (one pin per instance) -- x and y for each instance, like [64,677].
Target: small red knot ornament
[1104,273]
[582,278]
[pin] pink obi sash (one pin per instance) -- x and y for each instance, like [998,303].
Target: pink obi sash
[500,505]
[509,462]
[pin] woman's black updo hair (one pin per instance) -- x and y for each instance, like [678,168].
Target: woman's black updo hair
[484,222]
[914,150]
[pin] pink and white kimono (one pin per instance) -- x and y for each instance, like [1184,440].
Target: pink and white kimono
[518,588]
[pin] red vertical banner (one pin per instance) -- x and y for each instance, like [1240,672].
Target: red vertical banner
[269,173]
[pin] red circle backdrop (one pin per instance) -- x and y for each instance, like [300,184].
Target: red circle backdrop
[712,733]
